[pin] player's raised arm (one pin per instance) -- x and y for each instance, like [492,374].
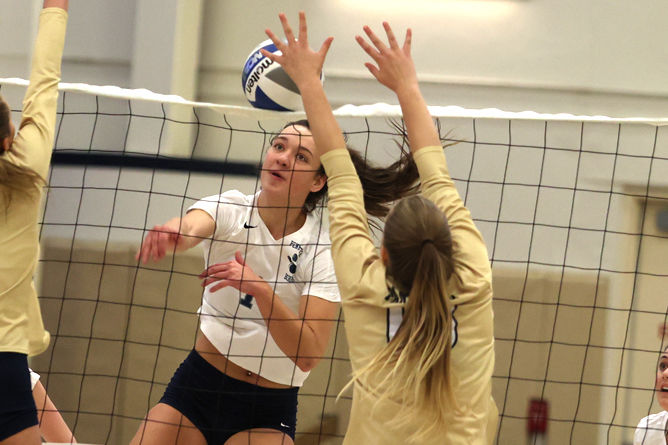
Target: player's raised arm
[304,66]
[176,235]
[394,68]
[31,148]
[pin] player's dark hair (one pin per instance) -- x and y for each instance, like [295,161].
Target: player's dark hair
[381,185]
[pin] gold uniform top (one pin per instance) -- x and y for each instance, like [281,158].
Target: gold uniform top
[21,326]
[361,276]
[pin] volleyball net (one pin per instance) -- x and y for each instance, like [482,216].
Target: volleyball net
[574,211]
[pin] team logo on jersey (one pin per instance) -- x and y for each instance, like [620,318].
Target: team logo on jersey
[293,259]
[395,296]
[247,300]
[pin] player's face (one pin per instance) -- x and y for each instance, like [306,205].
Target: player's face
[291,165]
[662,381]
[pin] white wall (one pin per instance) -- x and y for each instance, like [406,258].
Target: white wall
[99,40]
[593,57]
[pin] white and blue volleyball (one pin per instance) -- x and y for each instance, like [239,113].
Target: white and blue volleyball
[266,85]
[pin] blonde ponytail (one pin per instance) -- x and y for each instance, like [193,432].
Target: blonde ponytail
[414,368]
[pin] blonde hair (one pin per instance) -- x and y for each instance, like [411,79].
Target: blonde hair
[413,369]
[14,180]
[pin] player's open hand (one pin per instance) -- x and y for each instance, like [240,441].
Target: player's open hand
[394,65]
[233,273]
[158,242]
[297,58]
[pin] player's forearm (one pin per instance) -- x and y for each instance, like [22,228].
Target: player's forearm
[193,228]
[291,333]
[38,119]
[187,237]
[324,127]
[419,124]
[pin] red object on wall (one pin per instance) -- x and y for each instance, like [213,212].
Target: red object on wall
[537,418]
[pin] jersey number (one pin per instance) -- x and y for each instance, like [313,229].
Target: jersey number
[246,301]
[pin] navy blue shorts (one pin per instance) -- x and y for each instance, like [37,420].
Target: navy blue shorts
[17,406]
[220,406]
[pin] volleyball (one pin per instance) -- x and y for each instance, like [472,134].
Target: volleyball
[266,85]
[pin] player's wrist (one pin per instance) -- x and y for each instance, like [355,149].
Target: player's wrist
[260,289]
[307,83]
[407,90]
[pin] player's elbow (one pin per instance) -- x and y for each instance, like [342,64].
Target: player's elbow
[305,364]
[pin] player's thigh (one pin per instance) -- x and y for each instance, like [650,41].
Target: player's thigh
[29,436]
[260,436]
[165,425]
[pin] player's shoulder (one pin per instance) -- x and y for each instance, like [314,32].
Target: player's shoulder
[654,420]
[230,198]
[317,231]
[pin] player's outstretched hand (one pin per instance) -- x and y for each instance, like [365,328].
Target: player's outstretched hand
[158,242]
[394,66]
[298,59]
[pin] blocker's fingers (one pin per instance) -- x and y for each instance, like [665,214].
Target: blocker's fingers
[271,56]
[390,36]
[374,39]
[274,38]
[324,49]
[371,51]
[286,28]
[408,40]
[372,69]
[303,31]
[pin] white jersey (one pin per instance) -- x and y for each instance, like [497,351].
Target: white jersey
[652,430]
[296,265]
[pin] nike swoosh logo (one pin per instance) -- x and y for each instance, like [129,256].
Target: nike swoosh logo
[246,226]
[284,425]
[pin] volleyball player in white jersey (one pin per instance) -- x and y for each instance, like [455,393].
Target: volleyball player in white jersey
[653,429]
[269,304]
[24,165]
[270,298]
[431,384]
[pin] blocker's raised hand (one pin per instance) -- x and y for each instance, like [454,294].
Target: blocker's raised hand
[395,65]
[298,59]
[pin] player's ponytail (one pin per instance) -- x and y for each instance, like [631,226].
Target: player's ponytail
[414,368]
[14,180]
